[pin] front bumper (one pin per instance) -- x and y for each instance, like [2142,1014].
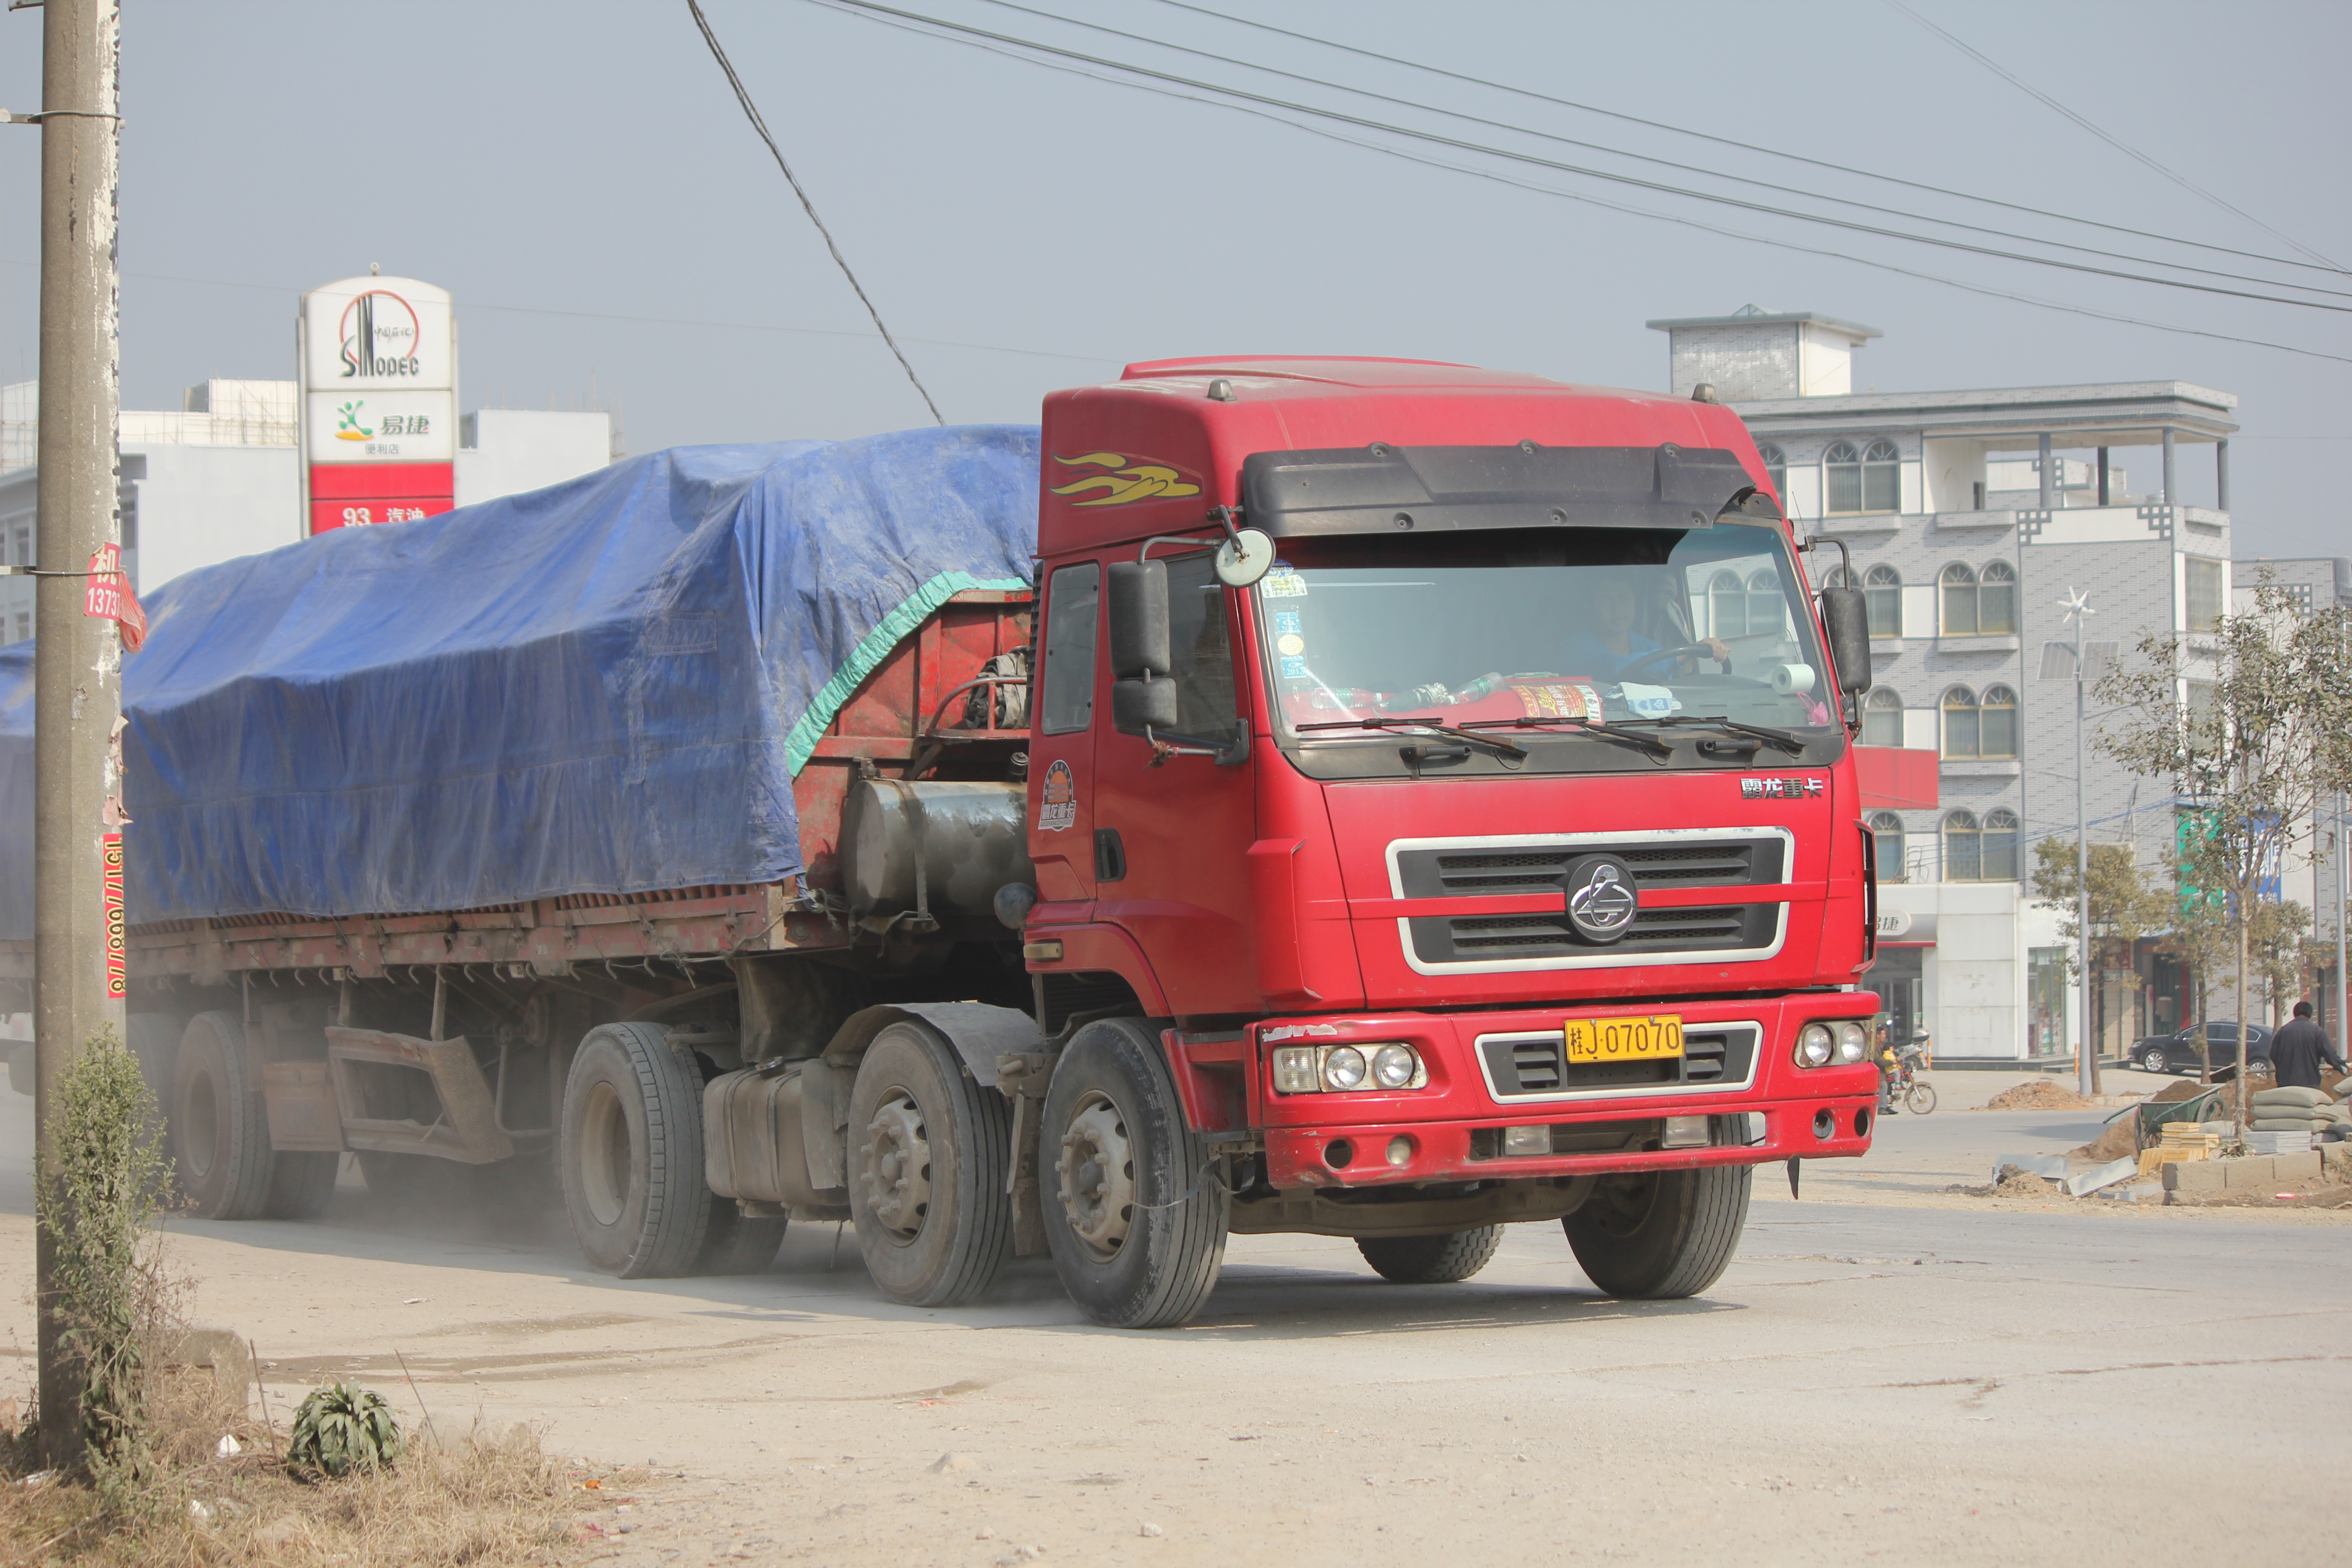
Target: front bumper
[1761,1109]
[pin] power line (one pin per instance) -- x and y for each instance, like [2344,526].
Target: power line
[1502,179]
[1743,146]
[2128,151]
[1662,163]
[753,114]
[1482,149]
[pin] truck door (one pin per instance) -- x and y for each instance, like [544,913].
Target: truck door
[1061,759]
[1172,841]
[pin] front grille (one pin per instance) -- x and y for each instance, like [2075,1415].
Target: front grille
[1517,870]
[1536,1065]
[1536,868]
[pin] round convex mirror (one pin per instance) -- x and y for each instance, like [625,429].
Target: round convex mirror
[1244,558]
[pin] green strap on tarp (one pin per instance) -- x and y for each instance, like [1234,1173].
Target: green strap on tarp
[800,744]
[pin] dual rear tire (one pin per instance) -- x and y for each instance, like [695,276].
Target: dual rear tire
[217,1130]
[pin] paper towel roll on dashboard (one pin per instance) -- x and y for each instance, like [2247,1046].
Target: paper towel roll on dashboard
[1788,679]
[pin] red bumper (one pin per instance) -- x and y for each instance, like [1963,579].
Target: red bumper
[1762,1107]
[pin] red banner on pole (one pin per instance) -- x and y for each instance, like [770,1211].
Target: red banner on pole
[109,596]
[117,972]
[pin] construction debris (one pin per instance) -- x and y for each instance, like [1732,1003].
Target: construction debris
[2041,1094]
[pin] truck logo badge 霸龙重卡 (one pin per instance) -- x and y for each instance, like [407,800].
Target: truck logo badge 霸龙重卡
[1123,481]
[1057,799]
[1602,899]
[1779,789]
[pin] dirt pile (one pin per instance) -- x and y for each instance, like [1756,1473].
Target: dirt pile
[2115,1143]
[2011,1182]
[2041,1094]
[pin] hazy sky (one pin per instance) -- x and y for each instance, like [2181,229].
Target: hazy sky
[579,176]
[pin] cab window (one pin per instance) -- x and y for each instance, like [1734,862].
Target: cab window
[1072,603]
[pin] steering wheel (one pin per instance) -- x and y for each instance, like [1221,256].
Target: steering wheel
[1695,649]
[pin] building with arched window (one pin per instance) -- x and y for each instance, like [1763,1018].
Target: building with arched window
[1968,517]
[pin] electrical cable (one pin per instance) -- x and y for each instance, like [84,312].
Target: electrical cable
[1663,163]
[1489,174]
[753,114]
[1742,146]
[2124,148]
[875,6]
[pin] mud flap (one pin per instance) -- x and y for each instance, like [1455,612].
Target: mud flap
[1023,1077]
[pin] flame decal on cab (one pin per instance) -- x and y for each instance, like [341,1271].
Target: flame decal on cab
[1123,481]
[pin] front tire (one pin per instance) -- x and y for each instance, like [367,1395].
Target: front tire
[632,1154]
[217,1125]
[1432,1259]
[927,1150]
[1921,1100]
[1657,1235]
[1134,1216]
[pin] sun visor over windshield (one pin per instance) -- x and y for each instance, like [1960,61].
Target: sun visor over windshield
[1380,487]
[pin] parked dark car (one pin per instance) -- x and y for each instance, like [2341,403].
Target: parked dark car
[2177,1053]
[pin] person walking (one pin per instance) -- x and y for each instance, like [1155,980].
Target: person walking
[2299,1048]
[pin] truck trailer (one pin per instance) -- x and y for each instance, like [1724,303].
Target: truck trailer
[1369,798]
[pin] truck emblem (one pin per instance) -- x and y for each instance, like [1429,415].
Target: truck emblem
[1058,800]
[1778,789]
[1602,898]
[1125,481]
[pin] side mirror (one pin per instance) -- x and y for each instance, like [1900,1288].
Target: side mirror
[1139,703]
[1137,592]
[1244,558]
[1846,618]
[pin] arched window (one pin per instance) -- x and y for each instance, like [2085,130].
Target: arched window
[1727,605]
[1997,722]
[2001,856]
[1886,828]
[1766,611]
[1963,847]
[1958,584]
[1882,589]
[1776,469]
[1997,600]
[1962,734]
[1841,478]
[1882,477]
[1881,719]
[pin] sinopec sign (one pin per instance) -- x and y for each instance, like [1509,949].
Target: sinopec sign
[379,373]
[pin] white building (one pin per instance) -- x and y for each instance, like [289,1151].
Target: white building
[220,477]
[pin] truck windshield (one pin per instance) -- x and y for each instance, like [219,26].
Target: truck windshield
[1623,626]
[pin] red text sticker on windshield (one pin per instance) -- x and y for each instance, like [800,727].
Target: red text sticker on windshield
[116,972]
[109,596]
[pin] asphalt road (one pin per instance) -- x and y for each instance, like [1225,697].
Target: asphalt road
[1910,1377]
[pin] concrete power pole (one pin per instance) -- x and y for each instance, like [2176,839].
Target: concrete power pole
[78,669]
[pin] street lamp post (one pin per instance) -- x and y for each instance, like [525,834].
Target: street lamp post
[2086,1058]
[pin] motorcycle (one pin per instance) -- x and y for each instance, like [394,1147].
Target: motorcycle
[1899,1079]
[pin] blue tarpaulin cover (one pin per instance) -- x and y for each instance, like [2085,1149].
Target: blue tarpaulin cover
[606,686]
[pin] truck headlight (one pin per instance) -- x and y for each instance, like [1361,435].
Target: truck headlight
[1814,1046]
[1294,1070]
[1344,1068]
[1395,1066]
[1852,1043]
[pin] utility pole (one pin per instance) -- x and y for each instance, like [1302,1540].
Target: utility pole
[78,661]
[2078,610]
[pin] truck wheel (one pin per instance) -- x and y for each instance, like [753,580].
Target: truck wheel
[738,1242]
[1660,1235]
[1432,1259]
[301,1181]
[218,1128]
[632,1154]
[1134,1216]
[927,1150]
[154,1041]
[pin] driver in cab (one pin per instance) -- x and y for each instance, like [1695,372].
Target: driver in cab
[1608,647]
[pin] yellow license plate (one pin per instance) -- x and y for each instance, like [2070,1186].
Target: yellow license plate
[1624,1039]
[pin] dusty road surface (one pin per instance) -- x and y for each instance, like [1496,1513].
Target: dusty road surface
[1876,1378]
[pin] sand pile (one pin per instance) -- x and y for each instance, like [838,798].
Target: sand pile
[2041,1094]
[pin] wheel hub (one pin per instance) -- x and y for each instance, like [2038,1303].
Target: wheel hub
[1098,1177]
[897,1165]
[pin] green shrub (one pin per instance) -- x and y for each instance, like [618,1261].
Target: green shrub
[340,1428]
[97,1199]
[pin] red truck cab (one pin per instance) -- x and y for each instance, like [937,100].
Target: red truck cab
[1497,853]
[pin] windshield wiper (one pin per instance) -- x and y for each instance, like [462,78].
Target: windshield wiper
[1648,743]
[1390,721]
[1792,743]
